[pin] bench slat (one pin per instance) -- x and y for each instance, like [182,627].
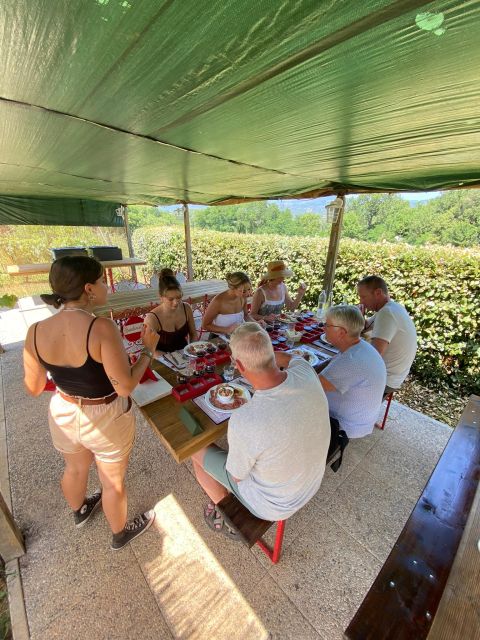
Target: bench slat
[239,517]
[403,600]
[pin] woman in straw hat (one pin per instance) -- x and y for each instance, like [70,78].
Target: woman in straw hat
[272,295]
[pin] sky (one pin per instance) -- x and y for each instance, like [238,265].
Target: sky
[317,204]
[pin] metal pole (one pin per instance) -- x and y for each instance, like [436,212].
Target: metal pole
[129,240]
[333,250]
[188,241]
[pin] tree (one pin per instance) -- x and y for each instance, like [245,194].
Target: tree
[143,216]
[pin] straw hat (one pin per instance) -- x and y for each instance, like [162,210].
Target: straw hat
[277,269]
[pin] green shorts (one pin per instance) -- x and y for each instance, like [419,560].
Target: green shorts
[214,463]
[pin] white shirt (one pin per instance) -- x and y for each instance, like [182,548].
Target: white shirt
[393,324]
[278,444]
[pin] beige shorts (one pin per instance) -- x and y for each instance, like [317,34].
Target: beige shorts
[107,430]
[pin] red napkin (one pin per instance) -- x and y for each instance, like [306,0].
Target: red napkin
[50,385]
[148,375]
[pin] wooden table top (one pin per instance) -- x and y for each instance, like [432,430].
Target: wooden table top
[163,417]
[137,298]
[34,269]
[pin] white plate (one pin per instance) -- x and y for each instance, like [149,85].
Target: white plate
[325,341]
[199,346]
[312,358]
[246,394]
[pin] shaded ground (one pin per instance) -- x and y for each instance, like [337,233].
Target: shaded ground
[181,580]
[444,405]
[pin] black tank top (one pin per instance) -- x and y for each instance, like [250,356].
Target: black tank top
[87,381]
[172,340]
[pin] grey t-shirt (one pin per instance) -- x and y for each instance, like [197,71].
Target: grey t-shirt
[278,444]
[359,375]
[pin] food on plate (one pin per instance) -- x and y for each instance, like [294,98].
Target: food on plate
[225,396]
[198,349]
[294,335]
[225,393]
[310,357]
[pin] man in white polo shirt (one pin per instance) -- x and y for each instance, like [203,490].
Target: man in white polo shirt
[394,335]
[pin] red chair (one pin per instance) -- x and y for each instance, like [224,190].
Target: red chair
[198,309]
[388,398]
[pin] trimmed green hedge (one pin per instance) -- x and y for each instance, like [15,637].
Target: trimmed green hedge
[439,286]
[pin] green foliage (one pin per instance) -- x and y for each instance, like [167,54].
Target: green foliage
[31,244]
[440,287]
[8,301]
[452,218]
[142,216]
[259,218]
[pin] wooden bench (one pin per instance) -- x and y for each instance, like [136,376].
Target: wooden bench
[403,600]
[252,529]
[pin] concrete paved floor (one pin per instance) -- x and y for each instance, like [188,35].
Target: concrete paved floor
[180,580]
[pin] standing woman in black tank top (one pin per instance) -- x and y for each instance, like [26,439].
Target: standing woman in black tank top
[172,320]
[90,415]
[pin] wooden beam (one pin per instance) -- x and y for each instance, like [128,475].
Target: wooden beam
[332,254]
[11,539]
[188,241]
[129,240]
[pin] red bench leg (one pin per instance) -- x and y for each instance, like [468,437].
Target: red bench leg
[389,400]
[274,554]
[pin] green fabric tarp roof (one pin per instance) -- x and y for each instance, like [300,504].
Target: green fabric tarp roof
[207,101]
[53,211]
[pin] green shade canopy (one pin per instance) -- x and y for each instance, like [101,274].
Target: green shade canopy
[214,101]
[72,212]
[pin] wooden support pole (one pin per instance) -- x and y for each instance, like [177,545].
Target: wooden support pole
[188,241]
[129,240]
[332,254]
[11,539]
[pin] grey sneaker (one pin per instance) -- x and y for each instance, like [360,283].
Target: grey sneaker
[132,530]
[88,508]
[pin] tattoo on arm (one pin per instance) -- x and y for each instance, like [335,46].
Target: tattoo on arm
[114,382]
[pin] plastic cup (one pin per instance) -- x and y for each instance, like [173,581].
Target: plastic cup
[229,373]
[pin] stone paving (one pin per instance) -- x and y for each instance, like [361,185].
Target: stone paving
[180,580]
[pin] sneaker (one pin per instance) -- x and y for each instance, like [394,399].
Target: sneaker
[88,508]
[132,530]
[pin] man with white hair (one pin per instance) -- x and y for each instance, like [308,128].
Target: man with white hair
[278,441]
[354,379]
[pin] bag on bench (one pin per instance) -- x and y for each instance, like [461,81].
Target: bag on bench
[338,442]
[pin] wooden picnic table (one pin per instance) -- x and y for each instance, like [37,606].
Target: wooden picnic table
[143,298]
[35,269]
[163,417]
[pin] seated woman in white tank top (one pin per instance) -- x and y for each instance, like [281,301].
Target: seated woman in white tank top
[272,296]
[228,310]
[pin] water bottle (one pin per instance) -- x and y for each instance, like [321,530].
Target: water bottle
[322,302]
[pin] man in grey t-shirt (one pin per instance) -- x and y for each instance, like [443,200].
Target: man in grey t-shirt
[278,441]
